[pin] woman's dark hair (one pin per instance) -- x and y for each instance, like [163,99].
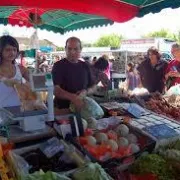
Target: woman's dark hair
[131,65]
[154,51]
[7,40]
[101,64]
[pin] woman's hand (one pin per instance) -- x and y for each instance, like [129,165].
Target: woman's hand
[172,74]
[10,82]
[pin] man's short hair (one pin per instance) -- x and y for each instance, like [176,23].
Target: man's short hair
[74,38]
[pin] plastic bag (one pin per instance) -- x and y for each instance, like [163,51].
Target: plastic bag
[29,99]
[90,109]
[174,90]
[19,165]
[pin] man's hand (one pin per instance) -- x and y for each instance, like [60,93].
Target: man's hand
[78,102]
[172,74]
[82,93]
[74,98]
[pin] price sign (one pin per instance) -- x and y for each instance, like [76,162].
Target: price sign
[135,110]
[51,147]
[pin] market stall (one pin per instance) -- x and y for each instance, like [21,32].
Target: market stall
[112,138]
[105,137]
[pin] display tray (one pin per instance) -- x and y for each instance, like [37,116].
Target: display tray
[145,143]
[34,156]
[16,112]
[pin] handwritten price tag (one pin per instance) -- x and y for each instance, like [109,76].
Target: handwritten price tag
[51,147]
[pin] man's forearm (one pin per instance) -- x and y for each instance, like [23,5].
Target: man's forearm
[62,94]
[91,90]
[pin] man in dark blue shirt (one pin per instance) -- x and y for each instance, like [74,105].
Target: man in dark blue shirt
[152,71]
[71,76]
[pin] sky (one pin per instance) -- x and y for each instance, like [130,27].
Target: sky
[135,28]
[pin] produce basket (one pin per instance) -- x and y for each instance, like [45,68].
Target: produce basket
[145,143]
[20,160]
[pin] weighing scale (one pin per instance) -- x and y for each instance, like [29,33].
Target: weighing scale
[33,120]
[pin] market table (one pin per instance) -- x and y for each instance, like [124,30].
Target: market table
[21,138]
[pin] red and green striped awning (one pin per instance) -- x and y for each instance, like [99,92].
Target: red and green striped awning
[65,15]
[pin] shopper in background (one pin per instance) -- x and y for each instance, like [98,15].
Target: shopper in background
[94,60]
[98,72]
[133,78]
[173,69]
[152,71]
[44,67]
[22,58]
[107,71]
[57,58]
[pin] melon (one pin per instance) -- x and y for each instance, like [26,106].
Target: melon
[122,130]
[91,140]
[132,138]
[134,148]
[101,137]
[123,142]
[113,144]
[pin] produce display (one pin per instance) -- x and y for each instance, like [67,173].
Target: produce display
[171,152]
[159,105]
[37,160]
[156,165]
[91,171]
[113,143]
[40,175]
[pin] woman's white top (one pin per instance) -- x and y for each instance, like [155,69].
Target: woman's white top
[8,95]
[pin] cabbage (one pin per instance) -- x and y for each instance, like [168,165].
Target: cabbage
[90,109]
[40,175]
[91,171]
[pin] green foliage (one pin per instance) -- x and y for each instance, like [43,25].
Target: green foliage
[154,164]
[111,40]
[161,33]
[60,49]
[176,36]
[86,44]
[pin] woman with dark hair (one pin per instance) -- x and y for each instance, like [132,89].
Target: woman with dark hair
[152,71]
[98,72]
[10,71]
[133,79]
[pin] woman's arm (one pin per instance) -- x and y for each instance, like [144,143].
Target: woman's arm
[24,72]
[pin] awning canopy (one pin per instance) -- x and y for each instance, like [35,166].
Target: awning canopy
[75,14]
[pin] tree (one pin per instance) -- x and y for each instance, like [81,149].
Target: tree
[86,44]
[161,33]
[176,37]
[60,49]
[111,40]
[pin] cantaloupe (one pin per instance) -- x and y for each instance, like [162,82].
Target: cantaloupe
[123,142]
[132,138]
[113,144]
[91,140]
[134,148]
[122,130]
[101,137]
